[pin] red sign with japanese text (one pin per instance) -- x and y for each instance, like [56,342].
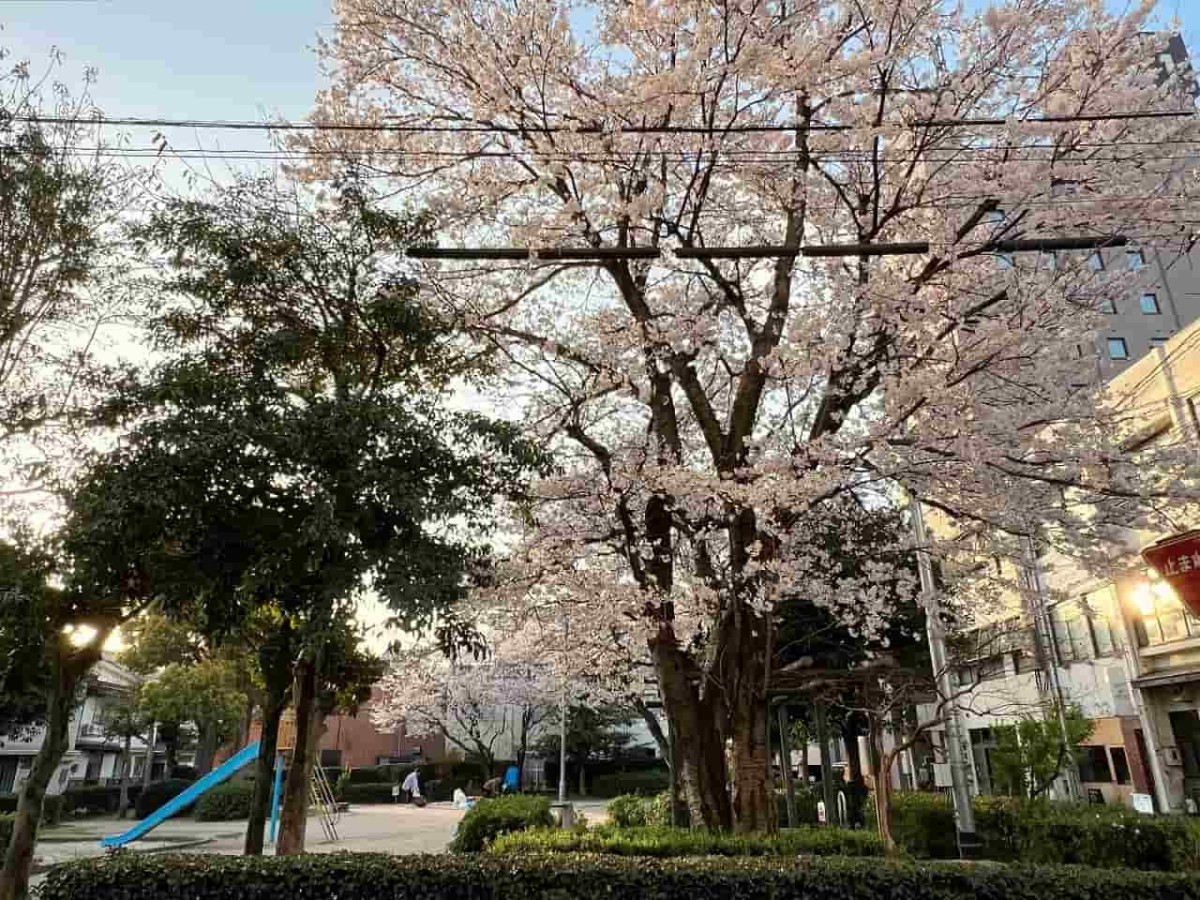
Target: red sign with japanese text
[1177,560]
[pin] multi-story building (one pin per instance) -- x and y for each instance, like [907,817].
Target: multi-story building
[93,755]
[1117,644]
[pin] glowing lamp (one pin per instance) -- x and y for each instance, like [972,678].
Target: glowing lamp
[1177,561]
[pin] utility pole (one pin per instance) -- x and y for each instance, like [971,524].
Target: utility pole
[1043,636]
[964,815]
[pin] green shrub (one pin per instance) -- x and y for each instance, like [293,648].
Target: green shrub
[6,827]
[628,811]
[488,818]
[665,842]
[354,876]
[225,802]
[367,792]
[1046,832]
[646,782]
[95,799]
[53,807]
[159,792]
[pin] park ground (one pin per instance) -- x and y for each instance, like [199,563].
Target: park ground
[398,829]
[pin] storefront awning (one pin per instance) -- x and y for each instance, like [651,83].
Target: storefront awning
[1165,678]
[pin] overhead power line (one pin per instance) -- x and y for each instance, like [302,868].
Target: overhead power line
[598,129]
[760,251]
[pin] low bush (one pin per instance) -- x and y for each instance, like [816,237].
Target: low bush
[159,792]
[666,842]
[1047,832]
[6,827]
[367,792]
[647,782]
[489,818]
[628,811]
[98,800]
[52,807]
[225,802]
[354,876]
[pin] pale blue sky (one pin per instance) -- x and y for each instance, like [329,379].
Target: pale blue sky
[225,59]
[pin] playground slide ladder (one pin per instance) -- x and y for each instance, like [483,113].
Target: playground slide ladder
[321,796]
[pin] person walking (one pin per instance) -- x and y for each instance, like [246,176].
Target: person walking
[412,786]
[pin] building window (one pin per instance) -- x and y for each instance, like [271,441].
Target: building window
[1120,764]
[1093,765]
[1108,305]
[1096,262]
[1135,261]
[991,669]
[1072,636]
[1102,636]
[1117,348]
[1150,304]
[1158,341]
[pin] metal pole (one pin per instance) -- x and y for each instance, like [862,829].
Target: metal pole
[149,766]
[1043,636]
[562,747]
[964,815]
[827,792]
[785,756]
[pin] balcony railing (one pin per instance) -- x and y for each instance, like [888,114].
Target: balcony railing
[91,730]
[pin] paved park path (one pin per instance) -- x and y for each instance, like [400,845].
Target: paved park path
[398,829]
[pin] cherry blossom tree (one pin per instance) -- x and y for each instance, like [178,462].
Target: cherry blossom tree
[472,705]
[704,401]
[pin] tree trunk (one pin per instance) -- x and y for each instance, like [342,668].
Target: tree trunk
[148,769]
[856,785]
[170,736]
[206,749]
[264,766]
[582,779]
[294,818]
[18,859]
[752,801]
[696,728]
[881,766]
[126,765]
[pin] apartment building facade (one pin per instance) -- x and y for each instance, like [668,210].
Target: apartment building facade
[93,754]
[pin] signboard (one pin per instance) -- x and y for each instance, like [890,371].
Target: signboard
[1177,560]
[1143,803]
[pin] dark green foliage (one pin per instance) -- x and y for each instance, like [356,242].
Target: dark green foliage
[350,876]
[1030,755]
[53,807]
[6,827]
[488,818]
[96,800]
[646,783]
[664,841]
[1046,832]
[367,792]
[159,792]
[628,811]
[225,801]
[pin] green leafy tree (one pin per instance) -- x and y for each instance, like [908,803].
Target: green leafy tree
[295,450]
[127,719]
[1032,753]
[204,693]
[599,731]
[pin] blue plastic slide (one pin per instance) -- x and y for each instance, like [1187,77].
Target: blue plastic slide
[247,755]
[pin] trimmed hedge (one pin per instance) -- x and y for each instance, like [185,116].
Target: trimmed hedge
[663,842]
[367,792]
[225,802]
[647,783]
[53,807]
[350,876]
[1048,832]
[489,818]
[97,800]
[159,792]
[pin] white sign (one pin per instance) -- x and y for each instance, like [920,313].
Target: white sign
[1143,803]
[821,812]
